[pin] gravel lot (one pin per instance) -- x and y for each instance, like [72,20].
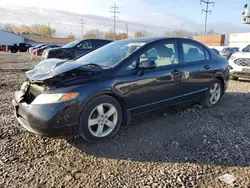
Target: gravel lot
[180,147]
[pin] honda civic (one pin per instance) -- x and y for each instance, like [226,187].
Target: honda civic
[97,93]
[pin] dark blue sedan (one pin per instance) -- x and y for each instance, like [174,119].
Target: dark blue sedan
[94,94]
[75,49]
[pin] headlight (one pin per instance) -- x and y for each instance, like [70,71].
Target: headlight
[54,98]
[232,58]
[46,53]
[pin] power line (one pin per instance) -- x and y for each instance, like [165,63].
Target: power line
[82,23]
[206,12]
[114,12]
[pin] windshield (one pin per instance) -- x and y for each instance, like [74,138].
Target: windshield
[72,44]
[226,49]
[110,54]
[40,45]
[246,49]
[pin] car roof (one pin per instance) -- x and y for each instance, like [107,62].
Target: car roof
[95,39]
[152,39]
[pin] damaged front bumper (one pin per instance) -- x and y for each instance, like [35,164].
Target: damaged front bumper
[46,119]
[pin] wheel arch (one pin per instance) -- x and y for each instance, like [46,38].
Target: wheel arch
[221,79]
[125,113]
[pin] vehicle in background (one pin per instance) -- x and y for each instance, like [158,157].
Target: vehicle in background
[40,50]
[75,49]
[21,47]
[2,48]
[216,51]
[36,47]
[95,93]
[228,51]
[240,64]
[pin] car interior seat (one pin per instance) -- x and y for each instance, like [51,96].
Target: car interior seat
[165,56]
[192,55]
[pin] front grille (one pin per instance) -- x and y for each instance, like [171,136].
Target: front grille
[244,62]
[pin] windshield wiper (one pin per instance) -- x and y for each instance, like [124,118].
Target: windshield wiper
[94,65]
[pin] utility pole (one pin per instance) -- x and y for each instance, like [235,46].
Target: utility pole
[82,23]
[206,12]
[127,29]
[114,16]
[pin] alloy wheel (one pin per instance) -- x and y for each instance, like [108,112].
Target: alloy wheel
[215,93]
[102,120]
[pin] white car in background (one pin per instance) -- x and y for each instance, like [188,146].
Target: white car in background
[240,64]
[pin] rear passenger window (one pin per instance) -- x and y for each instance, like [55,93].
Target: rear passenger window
[162,54]
[193,52]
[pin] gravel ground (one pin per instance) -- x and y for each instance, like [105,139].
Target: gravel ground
[180,147]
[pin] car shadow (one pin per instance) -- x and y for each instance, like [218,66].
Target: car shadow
[218,135]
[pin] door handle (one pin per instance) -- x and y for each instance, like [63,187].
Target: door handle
[176,72]
[207,67]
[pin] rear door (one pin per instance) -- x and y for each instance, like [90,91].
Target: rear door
[197,68]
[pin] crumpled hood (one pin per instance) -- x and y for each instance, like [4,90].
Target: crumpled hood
[51,67]
[241,55]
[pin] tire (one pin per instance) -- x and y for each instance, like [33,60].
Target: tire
[207,101]
[234,77]
[89,126]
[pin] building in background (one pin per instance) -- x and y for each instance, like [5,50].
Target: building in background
[240,40]
[35,40]
[9,39]
[211,40]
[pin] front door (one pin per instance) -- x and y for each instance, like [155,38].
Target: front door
[156,88]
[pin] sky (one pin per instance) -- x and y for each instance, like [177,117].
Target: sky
[152,12]
[147,10]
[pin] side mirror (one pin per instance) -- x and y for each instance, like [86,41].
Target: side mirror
[145,65]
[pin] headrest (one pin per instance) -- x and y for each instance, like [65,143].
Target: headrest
[164,51]
[193,51]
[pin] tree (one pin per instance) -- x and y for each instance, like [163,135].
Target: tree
[93,33]
[121,36]
[71,36]
[140,34]
[23,29]
[211,32]
[43,30]
[179,33]
[109,35]
[8,27]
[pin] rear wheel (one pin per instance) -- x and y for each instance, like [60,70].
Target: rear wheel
[213,94]
[100,119]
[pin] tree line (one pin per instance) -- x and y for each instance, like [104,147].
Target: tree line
[36,29]
[47,31]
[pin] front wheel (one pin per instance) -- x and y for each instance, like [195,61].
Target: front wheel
[100,119]
[213,94]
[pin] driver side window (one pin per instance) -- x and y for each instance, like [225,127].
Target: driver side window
[163,54]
